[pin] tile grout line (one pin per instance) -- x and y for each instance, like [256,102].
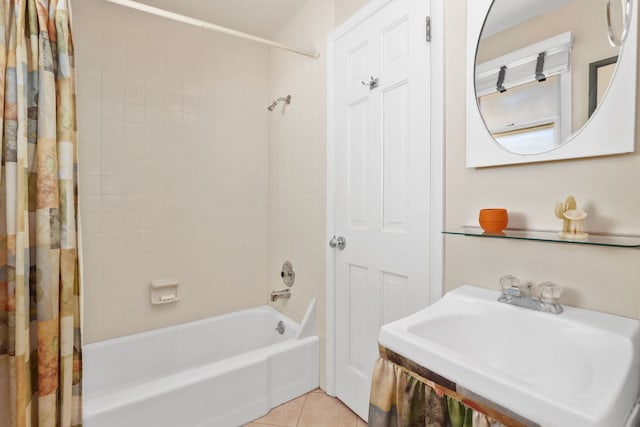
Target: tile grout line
[304,403]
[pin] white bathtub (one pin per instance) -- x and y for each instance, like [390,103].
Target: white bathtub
[223,371]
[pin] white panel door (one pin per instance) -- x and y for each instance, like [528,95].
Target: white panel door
[381,185]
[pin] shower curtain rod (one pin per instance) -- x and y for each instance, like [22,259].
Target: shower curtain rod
[209,26]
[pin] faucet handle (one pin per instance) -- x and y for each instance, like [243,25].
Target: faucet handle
[509,281]
[550,292]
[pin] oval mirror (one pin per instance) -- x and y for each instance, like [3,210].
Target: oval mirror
[542,67]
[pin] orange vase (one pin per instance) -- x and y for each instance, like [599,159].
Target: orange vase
[493,220]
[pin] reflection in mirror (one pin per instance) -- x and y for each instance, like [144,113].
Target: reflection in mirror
[524,130]
[532,70]
[600,74]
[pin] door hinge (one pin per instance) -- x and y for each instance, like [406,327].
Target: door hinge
[428,28]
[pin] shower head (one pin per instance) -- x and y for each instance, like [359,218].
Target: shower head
[287,101]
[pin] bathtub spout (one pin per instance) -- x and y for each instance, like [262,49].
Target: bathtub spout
[276,295]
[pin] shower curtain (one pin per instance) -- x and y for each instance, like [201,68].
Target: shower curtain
[40,359]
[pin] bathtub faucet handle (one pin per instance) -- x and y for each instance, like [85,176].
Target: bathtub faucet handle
[287,274]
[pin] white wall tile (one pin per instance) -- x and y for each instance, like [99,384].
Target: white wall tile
[133,130]
[154,115]
[89,127]
[130,168]
[134,94]
[88,87]
[112,277]
[153,132]
[112,184]
[90,107]
[173,79]
[91,242]
[111,259]
[113,20]
[134,239]
[110,128]
[297,163]
[91,264]
[111,203]
[134,58]
[173,118]
[112,223]
[112,242]
[111,165]
[133,113]
[113,71]
[136,21]
[157,161]
[112,110]
[190,104]
[90,46]
[90,204]
[173,101]
[112,91]
[154,98]
[91,223]
[132,204]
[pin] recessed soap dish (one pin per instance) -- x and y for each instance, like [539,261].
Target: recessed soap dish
[164,291]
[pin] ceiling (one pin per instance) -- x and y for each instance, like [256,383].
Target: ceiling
[258,17]
[507,13]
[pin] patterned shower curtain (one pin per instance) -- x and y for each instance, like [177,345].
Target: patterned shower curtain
[40,359]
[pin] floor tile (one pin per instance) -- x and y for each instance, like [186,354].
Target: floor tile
[285,415]
[321,410]
[315,409]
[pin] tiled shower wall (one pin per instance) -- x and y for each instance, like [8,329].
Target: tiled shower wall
[173,169]
[297,159]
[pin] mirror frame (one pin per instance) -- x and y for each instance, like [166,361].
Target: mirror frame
[613,121]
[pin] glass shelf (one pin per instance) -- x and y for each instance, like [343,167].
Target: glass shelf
[612,240]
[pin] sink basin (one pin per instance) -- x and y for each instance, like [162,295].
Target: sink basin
[579,368]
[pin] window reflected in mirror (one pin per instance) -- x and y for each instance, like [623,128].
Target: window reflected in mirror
[527,118]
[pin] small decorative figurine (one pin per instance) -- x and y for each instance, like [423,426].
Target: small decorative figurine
[573,219]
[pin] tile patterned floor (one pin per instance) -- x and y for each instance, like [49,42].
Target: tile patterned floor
[314,409]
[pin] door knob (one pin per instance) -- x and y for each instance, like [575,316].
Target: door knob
[338,242]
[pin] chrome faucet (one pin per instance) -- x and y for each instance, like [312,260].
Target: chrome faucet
[545,298]
[276,295]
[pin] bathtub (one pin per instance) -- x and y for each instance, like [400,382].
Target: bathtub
[223,371]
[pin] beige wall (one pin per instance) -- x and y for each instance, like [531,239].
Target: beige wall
[604,279]
[173,168]
[297,164]
[346,8]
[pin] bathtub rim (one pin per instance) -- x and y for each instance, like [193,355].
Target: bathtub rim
[266,308]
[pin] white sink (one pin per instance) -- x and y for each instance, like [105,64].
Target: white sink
[578,368]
